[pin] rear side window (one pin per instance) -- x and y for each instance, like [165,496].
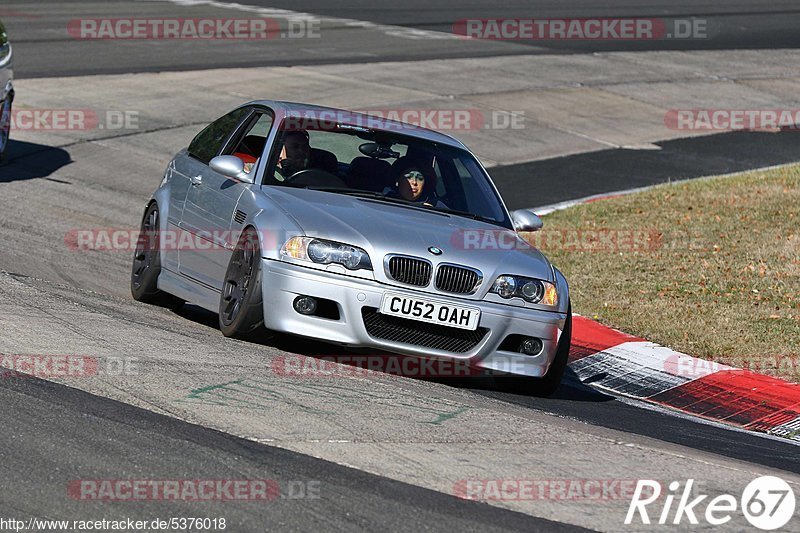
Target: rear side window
[209,142]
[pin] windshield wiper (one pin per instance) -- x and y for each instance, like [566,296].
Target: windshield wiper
[364,194]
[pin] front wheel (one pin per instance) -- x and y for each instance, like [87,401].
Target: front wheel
[147,264]
[547,385]
[5,127]
[241,305]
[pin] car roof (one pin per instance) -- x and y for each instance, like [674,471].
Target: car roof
[353,118]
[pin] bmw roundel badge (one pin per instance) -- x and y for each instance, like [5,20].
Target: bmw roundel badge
[435,251]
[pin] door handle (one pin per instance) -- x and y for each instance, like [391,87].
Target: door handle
[197,180]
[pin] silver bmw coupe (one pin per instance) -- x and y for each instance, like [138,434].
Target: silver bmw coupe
[355,230]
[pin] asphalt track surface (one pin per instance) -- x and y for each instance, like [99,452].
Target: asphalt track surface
[45,49]
[158,447]
[559,179]
[738,24]
[69,427]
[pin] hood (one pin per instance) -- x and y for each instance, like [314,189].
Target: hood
[383,228]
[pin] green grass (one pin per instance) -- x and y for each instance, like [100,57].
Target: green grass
[713,269]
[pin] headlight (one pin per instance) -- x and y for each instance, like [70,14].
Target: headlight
[534,291]
[505,286]
[326,252]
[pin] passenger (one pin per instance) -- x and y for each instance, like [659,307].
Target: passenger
[415,183]
[411,185]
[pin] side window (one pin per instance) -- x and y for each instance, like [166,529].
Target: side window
[207,144]
[249,144]
[477,191]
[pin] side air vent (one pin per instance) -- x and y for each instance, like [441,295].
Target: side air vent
[239,217]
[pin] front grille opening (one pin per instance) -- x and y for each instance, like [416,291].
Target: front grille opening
[410,270]
[512,343]
[327,309]
[416,333]
[455,279]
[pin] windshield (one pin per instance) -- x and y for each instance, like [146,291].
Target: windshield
[385,166]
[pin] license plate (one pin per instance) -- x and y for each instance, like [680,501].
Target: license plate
[430,311]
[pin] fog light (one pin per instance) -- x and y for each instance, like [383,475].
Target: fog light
[305,305]
[531,346]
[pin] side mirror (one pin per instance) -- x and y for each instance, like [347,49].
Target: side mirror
[525,220]
[231,167]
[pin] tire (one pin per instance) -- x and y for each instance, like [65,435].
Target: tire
[5,126]
[147,264]
[548,384]
[241,304]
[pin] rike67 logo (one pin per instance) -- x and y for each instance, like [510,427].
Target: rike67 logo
[768,503]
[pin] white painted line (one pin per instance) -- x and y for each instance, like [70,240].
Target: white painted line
[550,208]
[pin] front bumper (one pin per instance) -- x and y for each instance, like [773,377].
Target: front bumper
[283,282]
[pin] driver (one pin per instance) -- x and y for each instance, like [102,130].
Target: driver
[295,154]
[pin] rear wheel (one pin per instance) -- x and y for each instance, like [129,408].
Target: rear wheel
[547,384]
[241,305]
[147,264]
[5,127]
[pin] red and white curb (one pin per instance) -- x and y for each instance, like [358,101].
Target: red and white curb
[630,366]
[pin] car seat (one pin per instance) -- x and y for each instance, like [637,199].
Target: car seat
[370,174]
[324,160]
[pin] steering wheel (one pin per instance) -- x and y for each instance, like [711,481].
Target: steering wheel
[314,177]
